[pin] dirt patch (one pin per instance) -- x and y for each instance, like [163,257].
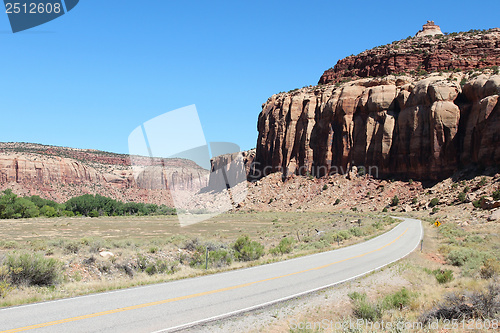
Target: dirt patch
[435,258]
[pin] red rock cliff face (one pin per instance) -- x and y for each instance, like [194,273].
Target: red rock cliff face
[59,173]
[464,51]
[411,127]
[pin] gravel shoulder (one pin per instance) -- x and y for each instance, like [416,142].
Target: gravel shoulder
[278,317]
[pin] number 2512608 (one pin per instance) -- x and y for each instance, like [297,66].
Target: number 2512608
[32,8]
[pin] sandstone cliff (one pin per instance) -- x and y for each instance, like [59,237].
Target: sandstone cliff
[396,126]
[60,173]
[431,53]
[417,108]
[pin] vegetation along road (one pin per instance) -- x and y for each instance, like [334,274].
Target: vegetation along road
[178,304]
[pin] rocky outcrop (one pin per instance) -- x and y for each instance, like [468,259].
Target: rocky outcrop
[230,169]
[481,121]
[429,51]
[396,126]
[29,169]
[429,29]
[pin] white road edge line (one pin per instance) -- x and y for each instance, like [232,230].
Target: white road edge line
[229,314]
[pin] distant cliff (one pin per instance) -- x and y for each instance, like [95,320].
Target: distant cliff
[59,173]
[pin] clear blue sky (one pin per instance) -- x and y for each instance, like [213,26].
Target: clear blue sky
[88,78]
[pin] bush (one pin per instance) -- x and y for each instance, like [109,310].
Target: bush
[337,201]
[33,269]
[466,256]
[474,239]
[94,244]
[94,213]
[397,299]
[72,247]
[152,267]
[284,246]
[462,197]
[355,296]
[434,202]
[443,276]
[68,213]
[220,258]
[5,281]
[395,201]
[325,187]
[450,230]
[246,250]
[364,309]
[356,231]
[462,306]
[343,235]
[477,203]
[496,195]
[162,267]
[482,182]
[489,269]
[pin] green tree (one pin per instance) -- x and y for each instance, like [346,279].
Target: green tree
[48,211]
[11,206]
[25,208]
[7,201]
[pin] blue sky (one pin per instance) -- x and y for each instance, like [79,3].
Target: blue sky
[90,77]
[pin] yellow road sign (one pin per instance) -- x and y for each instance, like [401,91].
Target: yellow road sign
[437,223]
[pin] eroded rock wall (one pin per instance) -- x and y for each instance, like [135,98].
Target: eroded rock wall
[397,126]
[30,170]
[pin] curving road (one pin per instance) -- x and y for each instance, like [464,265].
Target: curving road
[179,304]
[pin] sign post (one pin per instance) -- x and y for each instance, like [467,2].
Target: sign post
[206,259]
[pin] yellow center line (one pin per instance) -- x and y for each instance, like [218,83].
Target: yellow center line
[170,300]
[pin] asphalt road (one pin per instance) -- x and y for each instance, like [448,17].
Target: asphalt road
[178,304]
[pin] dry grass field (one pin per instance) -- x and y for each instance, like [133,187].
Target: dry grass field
[153,249]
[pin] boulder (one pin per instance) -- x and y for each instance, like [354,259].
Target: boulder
[495,215]
[106,254]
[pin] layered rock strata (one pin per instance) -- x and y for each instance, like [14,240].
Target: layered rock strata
[397,126]
[431,52]
[32,169]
